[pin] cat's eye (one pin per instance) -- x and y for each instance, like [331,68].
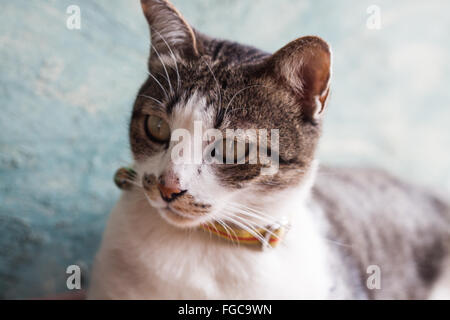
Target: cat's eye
[157,129]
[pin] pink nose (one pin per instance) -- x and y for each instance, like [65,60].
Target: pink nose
[169,186]
[168,193]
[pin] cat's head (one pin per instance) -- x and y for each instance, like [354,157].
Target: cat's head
[197,83]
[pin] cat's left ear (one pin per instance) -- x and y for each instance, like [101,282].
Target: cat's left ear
[170,32]
[305,66]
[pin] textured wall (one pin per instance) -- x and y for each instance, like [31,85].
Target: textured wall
[65,97]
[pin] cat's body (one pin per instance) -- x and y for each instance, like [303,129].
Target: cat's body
[143,257]
[378,220]
[344,224]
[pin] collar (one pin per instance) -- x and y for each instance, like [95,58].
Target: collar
[270,236]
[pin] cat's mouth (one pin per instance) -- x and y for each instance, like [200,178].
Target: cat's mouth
[178,218]
[183,210]
[174,214]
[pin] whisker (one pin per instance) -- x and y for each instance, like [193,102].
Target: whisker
[215,79]
[154,99]
[253,215]
[172,55]
[165,69]
[338,243]
[135,184]
[226,227]
[214,226]
[209,231]
[148,199]
[255,226]
[261,214]
[159,83]
[253,232]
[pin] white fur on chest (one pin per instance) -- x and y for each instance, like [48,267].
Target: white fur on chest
[142,257]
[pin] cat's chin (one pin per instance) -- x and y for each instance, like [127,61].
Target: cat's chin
[178,219]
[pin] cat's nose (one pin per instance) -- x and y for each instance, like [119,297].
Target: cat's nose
[169,186]
[170,194]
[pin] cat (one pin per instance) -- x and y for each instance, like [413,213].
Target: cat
[351,233]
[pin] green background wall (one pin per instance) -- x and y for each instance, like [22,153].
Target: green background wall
[65,98]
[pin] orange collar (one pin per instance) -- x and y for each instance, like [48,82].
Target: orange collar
[269,236]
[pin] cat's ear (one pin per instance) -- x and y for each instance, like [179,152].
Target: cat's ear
[170,33]
[305,66]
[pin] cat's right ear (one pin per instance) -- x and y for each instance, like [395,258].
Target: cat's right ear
[304,65]
[170,33]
